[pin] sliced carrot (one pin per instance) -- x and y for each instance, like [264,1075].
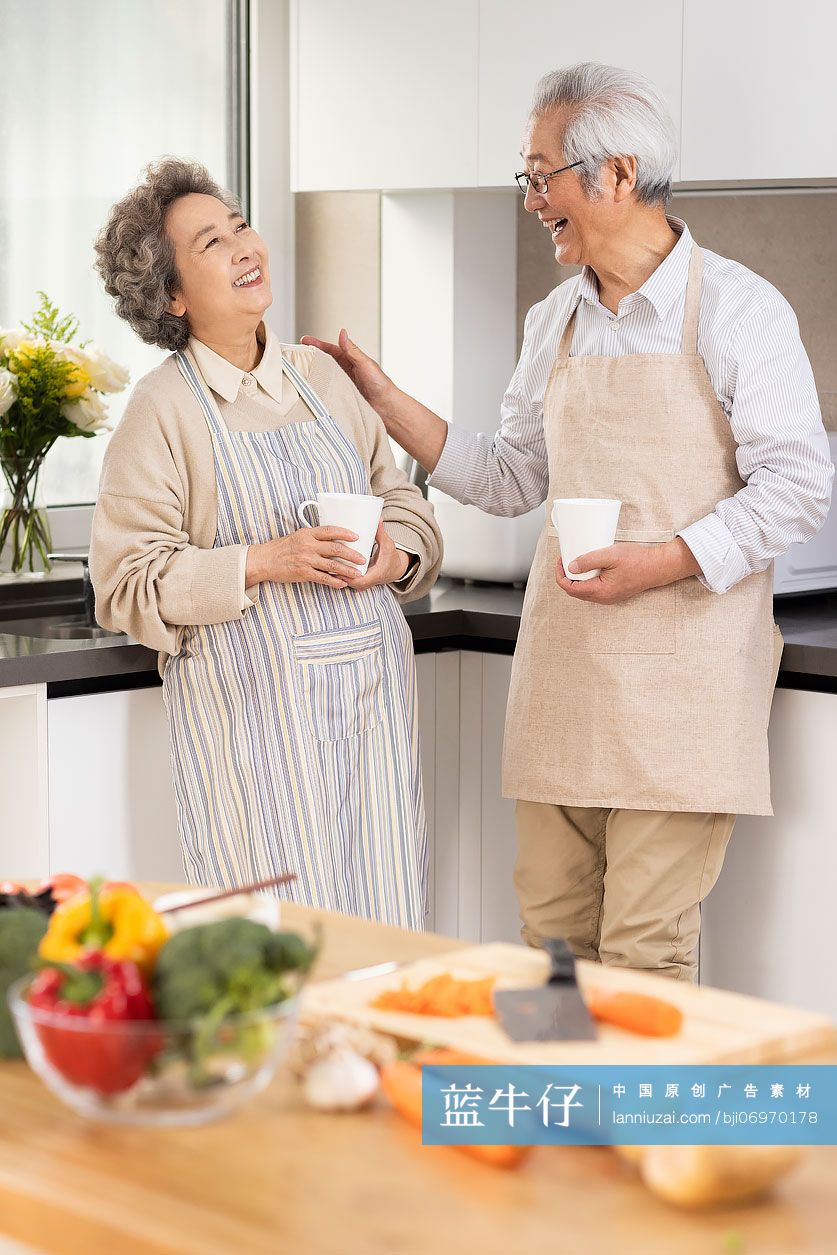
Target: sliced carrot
[638,1013]
[442,995]
[401,1082]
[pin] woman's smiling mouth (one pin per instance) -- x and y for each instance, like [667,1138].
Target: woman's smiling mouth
[249,279]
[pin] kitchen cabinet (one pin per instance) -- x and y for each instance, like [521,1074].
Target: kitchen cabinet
[759,96]
[766,926]
[24,823]
[85,786]
[390,95]
[384,94]
[520,42]
[471,885]
[111,801]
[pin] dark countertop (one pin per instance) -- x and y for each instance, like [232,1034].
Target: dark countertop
[454,616]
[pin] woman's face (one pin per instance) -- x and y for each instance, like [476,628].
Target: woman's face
[222,264]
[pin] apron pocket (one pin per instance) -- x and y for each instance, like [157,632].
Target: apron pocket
[646,624]
[340,675]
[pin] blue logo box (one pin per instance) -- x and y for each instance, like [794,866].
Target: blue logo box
[731,1105]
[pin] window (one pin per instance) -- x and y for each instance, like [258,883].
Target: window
[90,92]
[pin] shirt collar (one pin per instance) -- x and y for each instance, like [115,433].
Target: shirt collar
[225,378]
[663,285]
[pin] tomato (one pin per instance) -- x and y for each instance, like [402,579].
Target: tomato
[62,886]
[11,886]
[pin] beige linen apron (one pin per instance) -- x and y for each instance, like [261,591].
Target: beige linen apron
[661,702]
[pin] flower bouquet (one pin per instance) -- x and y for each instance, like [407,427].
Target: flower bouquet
[49,387]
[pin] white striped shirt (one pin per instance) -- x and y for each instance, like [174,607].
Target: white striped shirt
[748,338]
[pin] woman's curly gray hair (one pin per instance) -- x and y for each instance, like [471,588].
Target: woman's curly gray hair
[135,257]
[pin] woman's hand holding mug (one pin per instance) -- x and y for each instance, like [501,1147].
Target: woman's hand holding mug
[318,555]
[313,555]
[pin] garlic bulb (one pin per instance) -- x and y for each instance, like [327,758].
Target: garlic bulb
[341,1081]
[321,1038]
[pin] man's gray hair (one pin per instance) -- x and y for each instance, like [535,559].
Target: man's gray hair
[135,256]
[612,113]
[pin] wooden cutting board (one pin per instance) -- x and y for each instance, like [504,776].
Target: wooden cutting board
[718,1027]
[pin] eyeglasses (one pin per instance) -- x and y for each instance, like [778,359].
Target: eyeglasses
[540,181]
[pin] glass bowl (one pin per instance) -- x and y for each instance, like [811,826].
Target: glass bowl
[153,1072]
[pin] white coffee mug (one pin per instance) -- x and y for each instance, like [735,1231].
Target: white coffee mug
[352,510]
[584,524]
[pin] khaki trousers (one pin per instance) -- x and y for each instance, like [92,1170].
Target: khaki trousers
[623,887]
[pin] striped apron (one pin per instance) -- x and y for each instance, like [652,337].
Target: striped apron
[294,729]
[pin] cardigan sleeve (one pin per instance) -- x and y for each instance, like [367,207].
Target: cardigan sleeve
[149,577]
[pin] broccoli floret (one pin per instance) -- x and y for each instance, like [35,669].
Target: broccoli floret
[208,973]
[21,929]
[237,961]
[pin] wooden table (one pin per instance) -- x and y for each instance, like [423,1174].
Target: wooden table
[279,1178]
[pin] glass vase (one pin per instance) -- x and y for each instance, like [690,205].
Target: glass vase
[25,540]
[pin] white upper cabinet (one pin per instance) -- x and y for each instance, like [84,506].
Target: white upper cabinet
[518,42]
[385,93]
[398,95]
[759,92]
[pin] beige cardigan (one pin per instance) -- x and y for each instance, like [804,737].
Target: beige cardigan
[152,563]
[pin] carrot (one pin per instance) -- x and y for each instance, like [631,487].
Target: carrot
[445,1057]
[638,1013]
[401,1082]
[442,995]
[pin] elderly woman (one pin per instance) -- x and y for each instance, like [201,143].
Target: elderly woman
[288,676]
[675,381]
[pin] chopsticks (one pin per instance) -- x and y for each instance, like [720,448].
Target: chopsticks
[284,879]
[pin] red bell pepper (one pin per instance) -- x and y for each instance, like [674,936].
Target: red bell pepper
[96,991]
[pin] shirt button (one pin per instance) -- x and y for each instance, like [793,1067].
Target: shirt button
[248,383]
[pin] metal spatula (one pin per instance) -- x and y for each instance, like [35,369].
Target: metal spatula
[551,1012]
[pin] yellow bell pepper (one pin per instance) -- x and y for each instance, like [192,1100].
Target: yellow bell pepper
[116,920]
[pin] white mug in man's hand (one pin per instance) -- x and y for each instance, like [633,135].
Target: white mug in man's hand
[584,524]
[354,511]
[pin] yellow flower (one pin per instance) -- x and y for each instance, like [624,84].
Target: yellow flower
[22,353]
[77,383]
[79,379]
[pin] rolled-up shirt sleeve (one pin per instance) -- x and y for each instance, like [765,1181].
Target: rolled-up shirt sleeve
[506,473]
[783,455]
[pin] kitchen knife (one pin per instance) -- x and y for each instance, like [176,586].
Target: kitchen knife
[552,1012]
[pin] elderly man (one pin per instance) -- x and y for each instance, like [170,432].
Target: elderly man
[674,380]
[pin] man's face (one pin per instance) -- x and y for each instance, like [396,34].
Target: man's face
[574,221]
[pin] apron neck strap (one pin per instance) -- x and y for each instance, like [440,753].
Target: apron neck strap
[567,337]
[304,389]
[692,309]
[690,313]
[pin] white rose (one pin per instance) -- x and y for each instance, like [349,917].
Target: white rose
[8,390]
[69,353]
[88,412]
[106,375]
